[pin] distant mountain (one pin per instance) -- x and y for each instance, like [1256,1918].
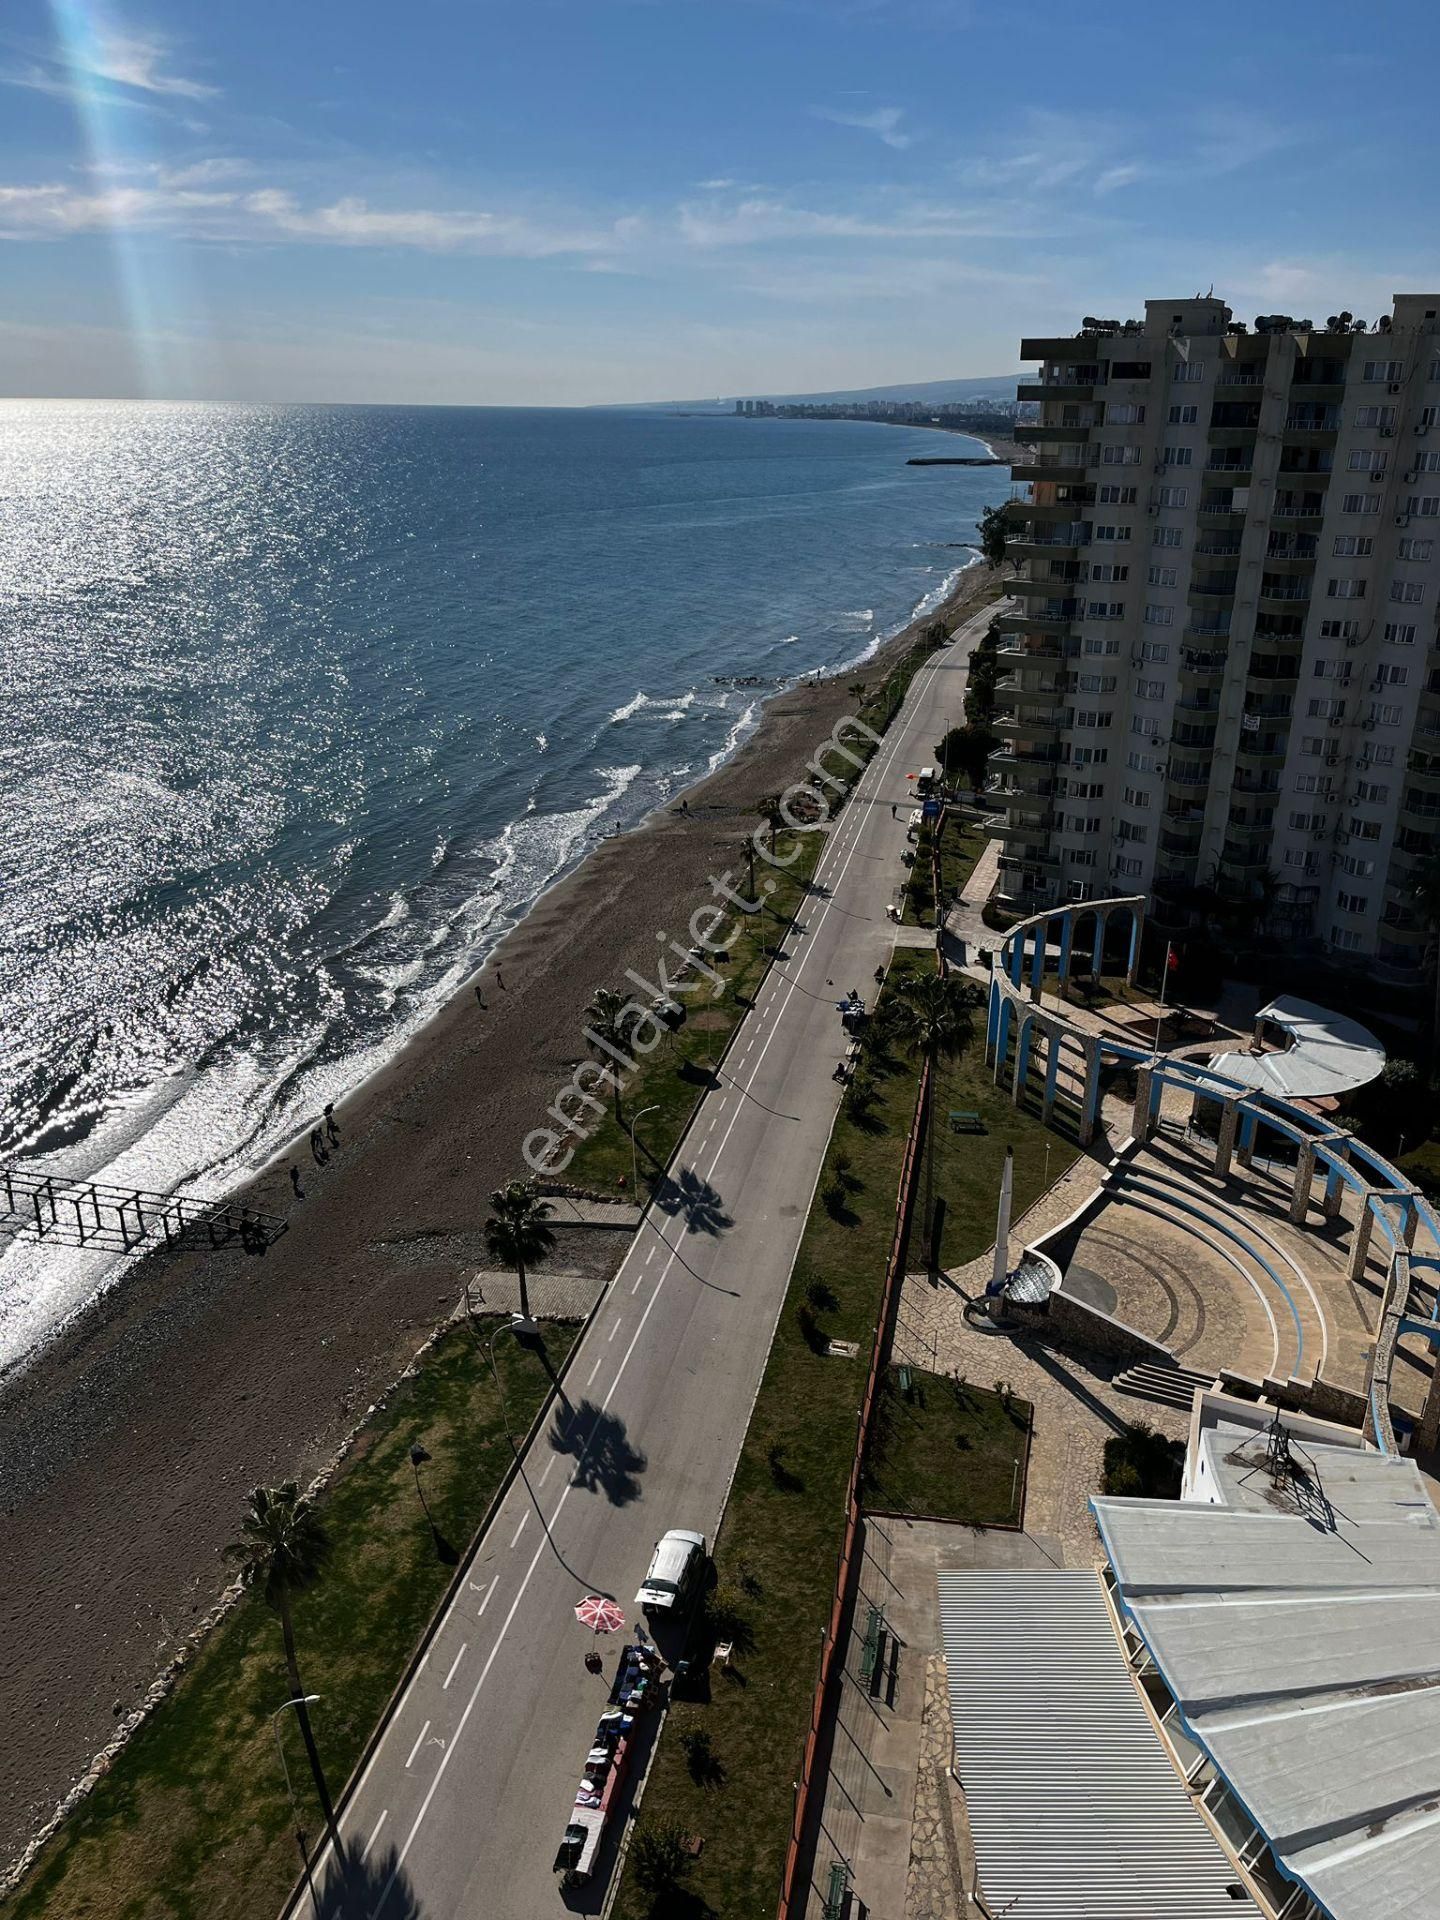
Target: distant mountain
[990,386]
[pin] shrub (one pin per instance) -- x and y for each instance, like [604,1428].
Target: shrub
[660,1857]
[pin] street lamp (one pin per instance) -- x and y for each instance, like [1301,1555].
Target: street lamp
[300,1700]
[634,1163]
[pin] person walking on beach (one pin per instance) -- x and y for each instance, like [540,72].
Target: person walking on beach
[480,998]
[332,1132]
[500,981]
[892,809]
[317,1147]
[295,1183]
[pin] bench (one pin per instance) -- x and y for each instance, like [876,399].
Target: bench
[964,1121]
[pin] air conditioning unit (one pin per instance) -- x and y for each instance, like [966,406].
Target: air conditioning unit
[1412,477]
[1386,433]
[1396,386]
[1422,426]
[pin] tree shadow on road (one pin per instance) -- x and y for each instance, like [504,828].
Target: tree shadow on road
[689,1197]
[605,1461]
[358,1894]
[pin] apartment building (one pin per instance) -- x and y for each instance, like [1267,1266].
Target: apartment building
[1225,677]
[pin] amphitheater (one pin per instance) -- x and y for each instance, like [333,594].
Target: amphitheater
[1245,1237]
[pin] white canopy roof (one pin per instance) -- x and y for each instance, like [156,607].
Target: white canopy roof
[1328,1054]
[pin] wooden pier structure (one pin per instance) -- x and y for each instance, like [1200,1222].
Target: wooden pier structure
[36,1204]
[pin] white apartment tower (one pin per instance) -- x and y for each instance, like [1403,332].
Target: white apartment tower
[1225,679]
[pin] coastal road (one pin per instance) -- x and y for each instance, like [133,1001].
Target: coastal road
[462,1805]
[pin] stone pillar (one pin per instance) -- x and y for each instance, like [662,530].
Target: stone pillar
[1052,1069]
[1134,959]
[1142,1123]
[1427,1429]
[1411,1220]
[1022,1062]
[1304,1176]
[1017,956]
[1037,960]
[1245,1146]
[1090,1100]
[1099,960]
[1067,934]
[1360,1244]
[992,1020]
[1333,1198]
[1225,1145]
[1002,1036]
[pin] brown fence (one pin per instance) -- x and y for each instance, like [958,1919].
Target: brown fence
[849,1559]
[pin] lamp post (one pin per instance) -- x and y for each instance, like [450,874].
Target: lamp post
[634,1162]
[300,1700]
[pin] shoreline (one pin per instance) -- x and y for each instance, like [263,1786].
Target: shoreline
[139,1427]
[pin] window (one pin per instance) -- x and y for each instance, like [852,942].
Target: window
[1178,456]
[1188,370]
[1159,616]
[1375,416]
[1296,857]
[1381,756]
[1423,506]
[1124,415]
[1312,783]
[1113,496]
[1428,462]
[1105,610]
[1128,868]
[1407,593]
[1145,726]
[1109,571]
[1346,588]
[1149,689]
[1101,646]
[1080,857]
[1091,756]
[1332,670]
[1382,714]
[1357,868]
[1184,416]
[1339,629]
[1132,830]
[1083,823]
[1112,533]
[1167,536]
[1095,683]
[1383,370]
[1360,503]
[1156,650]
[1413,549]
[1387,674]
[1092,720]
[1364,829]
[1163,576]
[1307,822]
[1119,456]
[1374,791]
[1345,939]
[1353,546]
[1172,496]
[1087,790]
[1313,746]
[1368,460]
[1129,369]
[1400,634]
[1140,763]
[1136,796]
[1429,416]
[1433,372]
[1331,710]
[1353,902]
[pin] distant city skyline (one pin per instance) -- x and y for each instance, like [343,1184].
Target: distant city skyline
[625,201]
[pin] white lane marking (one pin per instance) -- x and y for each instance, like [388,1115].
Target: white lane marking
[514,1609]
[445,1683]
[613,1331]
[416,1748]
[546,1474]
[651,1255]
[385,1815]
[570,1485]
[496,1581]
[514,1538]
[638,1278]
[595,1369]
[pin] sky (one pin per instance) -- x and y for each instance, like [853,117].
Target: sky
[566,202]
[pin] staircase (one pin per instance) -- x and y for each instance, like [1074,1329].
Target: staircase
[1168,1386]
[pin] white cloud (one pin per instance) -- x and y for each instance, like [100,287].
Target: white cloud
[883,122]
[120,66]
[1115,177]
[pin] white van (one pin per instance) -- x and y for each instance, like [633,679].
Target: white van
[675,1569]
[927,781]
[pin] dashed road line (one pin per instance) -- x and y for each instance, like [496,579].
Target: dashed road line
[514,1538]
[385,1815]
[416,1748]
[445,1683]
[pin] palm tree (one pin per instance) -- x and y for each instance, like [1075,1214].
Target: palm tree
[516,1231]
[856,690]
[933,1019]
[748,848]
[610,1020]
[770,812]
[1425,892]
[282,1551]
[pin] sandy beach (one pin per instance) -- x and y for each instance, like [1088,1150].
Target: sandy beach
[127,1446]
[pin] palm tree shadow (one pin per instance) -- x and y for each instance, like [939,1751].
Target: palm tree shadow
[696,1200]
[358,1893]
[605,1461]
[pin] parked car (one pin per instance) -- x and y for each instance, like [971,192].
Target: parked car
[675,1569]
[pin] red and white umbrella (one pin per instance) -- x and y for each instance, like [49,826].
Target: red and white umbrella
[601,1614]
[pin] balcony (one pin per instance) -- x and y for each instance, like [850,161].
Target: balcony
[1024,827]
[1219,544]
[1313,463]
[1212,586]
[1188,781]
[1188,734]
[1041,470]
[1185,843]
[1024,649]
[1244,859]
[1044,722]
[1039,620]
[1235,469]
[1280,592]
[1020,762]
[1291,546]
[1202,661]
[1049,432]
[1073,389]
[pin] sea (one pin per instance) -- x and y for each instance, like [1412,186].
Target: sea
[304,706]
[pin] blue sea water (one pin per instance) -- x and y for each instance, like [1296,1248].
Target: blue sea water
[305,705]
